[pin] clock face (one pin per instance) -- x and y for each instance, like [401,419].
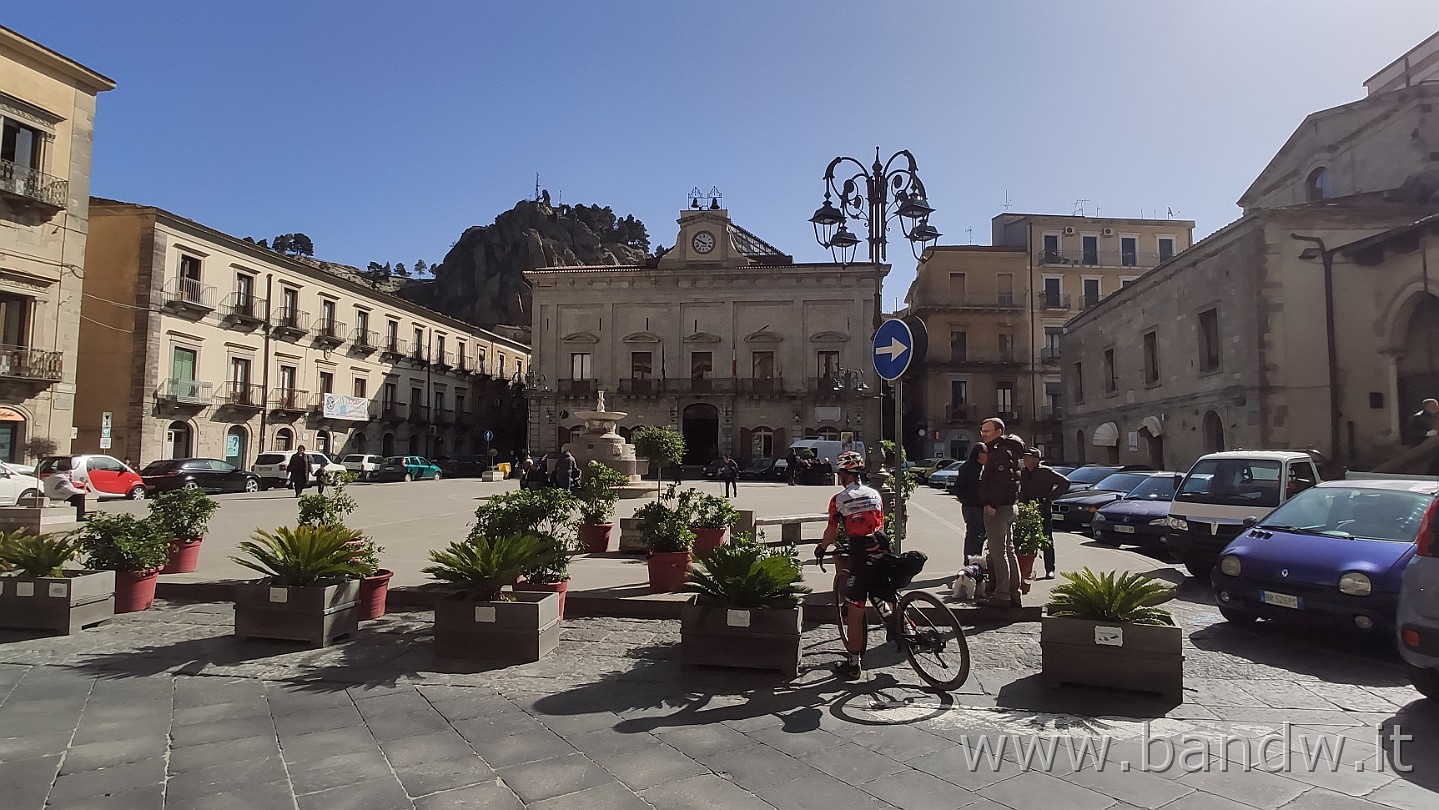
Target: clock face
[703,242]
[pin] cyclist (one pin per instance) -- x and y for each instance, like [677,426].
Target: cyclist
[857,513]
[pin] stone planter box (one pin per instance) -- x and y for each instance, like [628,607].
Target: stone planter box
[314,614]
[526,629]
[1144,658]
[63,604]
[631,540]
[755,639]
[51,517]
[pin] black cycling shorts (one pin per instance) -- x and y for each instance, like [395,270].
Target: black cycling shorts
[862,551]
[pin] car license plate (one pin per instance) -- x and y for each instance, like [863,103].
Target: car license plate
[1124,529]
[1056,515]
[1280,599]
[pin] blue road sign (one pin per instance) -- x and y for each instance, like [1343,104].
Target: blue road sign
[489,435]
[893,349]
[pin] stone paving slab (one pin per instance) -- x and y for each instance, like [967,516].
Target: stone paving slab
[165,709]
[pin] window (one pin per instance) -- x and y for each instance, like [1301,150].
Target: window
[1053,290]
[641,365]
[958,347]
[958,395]
[1053,399]
[1151,358]
[501,364]
[459,400]
[15,320]
[361,386]
[762,365]
[1166,248]
[239,374]
[439,401]
[1052,336]
[1317,186]
[1209,340]
[245,294]
[1110,383]
[956,287]
[362,320]
[418,347]
[480,359]
[417,398]
[289,305]
[288,378]
[1004,397]
[1004,283]
[389,394]
[460,352]
[580,366]
[1091,292]
[327,382]
[701,365]
[190,278]
[1091,250]
[1006,345]
[762,442]
[1078,382]
[828,364]
[1129,251]
[327,315]
[440,348]
[22,145]
[1051,249]
[392,336]
[182,368]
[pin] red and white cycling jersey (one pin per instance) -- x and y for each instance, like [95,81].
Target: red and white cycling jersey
[858,508]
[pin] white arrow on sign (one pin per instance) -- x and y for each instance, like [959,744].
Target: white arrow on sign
[894,349]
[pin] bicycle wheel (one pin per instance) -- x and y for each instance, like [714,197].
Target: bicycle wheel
[933,641]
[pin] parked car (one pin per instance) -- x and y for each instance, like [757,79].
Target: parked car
[461,466]
[943,477]
[1082,478]
[923,473]
[16,486]
[1139,518]
[765,469]
[362,465]
[408,468]
[712,469]
[1074,511]
[107,476]
[1418,611]
[272,467]
[22,469]
[1337,552]
[209,474]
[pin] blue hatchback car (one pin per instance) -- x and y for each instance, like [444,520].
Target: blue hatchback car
[1335,552]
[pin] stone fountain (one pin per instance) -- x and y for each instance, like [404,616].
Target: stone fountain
[601,442]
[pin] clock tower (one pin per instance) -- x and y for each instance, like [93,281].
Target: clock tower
[704,239]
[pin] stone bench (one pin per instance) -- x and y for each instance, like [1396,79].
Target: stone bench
[790,525]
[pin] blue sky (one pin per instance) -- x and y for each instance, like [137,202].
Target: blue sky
[385,129]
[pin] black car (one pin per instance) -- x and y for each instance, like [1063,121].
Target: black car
[765,469]
[209,474]
[1076,510]
[461,466]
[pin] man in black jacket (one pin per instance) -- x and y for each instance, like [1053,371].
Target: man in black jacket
[1041,484]
[1000,488]
[971,500]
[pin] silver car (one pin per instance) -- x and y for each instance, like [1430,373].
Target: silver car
[1418,617]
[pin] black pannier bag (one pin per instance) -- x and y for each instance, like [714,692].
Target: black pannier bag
[895,571]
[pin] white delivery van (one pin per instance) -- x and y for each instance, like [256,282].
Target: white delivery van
[1224,493]
[826,449]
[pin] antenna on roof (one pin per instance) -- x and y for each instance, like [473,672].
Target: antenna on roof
[1007,201]
[970,233]
[1079,207]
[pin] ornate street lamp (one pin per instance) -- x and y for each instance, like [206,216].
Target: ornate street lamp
[530,379]
[866,195]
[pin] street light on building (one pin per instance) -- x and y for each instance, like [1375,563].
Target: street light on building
[530,379]
[865,195]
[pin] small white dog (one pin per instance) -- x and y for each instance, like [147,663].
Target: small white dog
[972,582]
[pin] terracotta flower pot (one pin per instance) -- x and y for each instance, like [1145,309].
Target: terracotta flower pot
[1026,571]
[560,588]
[668,570]
[595,537]
[184,555]
[135,590]
[707,540]
[373,590]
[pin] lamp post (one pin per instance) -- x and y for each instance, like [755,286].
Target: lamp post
[519,384]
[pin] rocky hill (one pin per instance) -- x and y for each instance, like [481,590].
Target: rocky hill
[481,281]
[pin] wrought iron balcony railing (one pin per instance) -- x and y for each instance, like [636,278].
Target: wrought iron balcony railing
[1100,258]
[443,416]
[419,414]
[366,340]
[394,347]
[1049,354]
[186,392]
[243,395]
[33,186]
[289,400]
[24,363]
[575,388]
[330,332]
[244,308]
[957,412]
[189,293]
[1053,301]
[291,321]
[761,386]
[392,411]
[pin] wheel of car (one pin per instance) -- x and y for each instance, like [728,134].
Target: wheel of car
[252,485]
[437,475]
[1426,681]
[1107,539]
[28,496]
[136,493]
[1199,567]
[1234,616]
[191,485]
[409,477]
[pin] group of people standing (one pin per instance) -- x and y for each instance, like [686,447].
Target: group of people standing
[1000,473]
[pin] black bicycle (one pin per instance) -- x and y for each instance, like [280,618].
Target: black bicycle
[923,628]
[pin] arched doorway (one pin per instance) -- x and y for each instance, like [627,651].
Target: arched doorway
[237,446]
[700,426]
[322,441]
[1154,448]
[284,439]
[828,433]
[12,434]
[358,442]
[1418,366]
[387,445]
[1080,452]
[761,441]
[178,441]
[1213,433]
[439,446]
[414,444]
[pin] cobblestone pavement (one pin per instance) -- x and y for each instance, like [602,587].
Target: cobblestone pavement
[167,709]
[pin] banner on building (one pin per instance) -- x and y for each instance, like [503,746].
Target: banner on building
[354,409]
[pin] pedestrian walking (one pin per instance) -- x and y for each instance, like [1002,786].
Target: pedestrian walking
[1042,485]
[565,471]
[299,470]
[1000,488]
[971,500]
[792,466]
[61,485]
[729,474]
[1424,425]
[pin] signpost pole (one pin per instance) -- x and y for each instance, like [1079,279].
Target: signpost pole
[899,467]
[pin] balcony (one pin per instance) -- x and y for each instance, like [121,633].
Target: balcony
[23,363]
[419,414]
[1053,301]
[1010,418]
[365,340]
[329,333]
[1099,258]
[1002,300]
[463,418]
[291,322]
[179,391]
[999,358]
[1090,301]
[1049,354]
[394,349]
[242,395]
[957,413]
[761,386]
[393,412]
[1051,413]
[244,309]
[640,386]
[189,295]
[289,400]
[444,416]
[576,388]
[444,361]
[31,188]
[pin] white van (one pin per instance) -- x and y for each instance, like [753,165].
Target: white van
[825,449]
[1225,493]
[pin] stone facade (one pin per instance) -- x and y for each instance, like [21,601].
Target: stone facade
[202,344]
[723,338]
[47,104]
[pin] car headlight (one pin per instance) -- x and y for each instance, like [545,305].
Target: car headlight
[1229,565]
[1160,522]
[1100,518]
[1178,524]
[1355,584]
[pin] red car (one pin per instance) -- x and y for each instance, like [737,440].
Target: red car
[108,477]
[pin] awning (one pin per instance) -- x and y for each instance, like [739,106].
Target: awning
[1153,425]
[1106,435]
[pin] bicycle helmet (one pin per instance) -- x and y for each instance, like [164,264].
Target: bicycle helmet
[850,461]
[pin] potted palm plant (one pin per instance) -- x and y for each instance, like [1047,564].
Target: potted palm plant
[711,519]
[1030,539]
[183,516]
[482,620]
[665,526]
[331,509]
[134,548]
[548,514]
[311,586]
[598,493]
[38,593]
[746,609]
[1106,630]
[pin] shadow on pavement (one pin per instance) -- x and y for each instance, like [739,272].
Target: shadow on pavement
[1338,655]
[1030,694]
[1413,755]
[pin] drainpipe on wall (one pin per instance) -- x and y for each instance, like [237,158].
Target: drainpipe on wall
[265,370]
[1326,256]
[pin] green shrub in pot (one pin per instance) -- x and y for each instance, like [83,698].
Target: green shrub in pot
[36,556]
[599,492]
[484,565]
[1127,597]
[122,542]
[182,514]
[748,576]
